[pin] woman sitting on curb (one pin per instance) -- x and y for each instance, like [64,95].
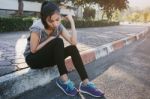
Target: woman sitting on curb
[46,48]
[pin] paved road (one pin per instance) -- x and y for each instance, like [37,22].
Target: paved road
[124,74]
[112,32]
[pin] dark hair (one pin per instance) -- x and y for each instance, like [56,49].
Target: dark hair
[48,9]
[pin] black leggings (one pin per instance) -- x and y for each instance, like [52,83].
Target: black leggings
[54,53]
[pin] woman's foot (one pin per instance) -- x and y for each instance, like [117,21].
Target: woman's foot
[90,89]
[67,87]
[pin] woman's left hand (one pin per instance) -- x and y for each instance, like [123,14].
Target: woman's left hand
[69,18]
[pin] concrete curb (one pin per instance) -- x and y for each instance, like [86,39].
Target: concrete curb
[104,50]
[18,82]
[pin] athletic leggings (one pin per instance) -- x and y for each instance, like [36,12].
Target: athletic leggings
[54,53]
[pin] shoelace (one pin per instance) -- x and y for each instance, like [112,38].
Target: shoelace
[70,85]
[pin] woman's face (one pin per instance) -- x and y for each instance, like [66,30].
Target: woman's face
[54,20]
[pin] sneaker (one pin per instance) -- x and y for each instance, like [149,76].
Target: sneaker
[90,89]
[68,87]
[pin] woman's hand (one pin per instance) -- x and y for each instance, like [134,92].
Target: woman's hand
[34,42]
[69,18]
[51,38]
[72,39]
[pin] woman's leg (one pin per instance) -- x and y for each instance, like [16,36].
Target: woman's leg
[58,53]
[51,54]
[85,86]
[77,61]
[54,51]
[42,58]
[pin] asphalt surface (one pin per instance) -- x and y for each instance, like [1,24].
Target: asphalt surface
[124,74]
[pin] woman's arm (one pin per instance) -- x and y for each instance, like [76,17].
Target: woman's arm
[34,42]
[72,39]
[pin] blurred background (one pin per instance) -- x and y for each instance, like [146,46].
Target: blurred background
[96,12]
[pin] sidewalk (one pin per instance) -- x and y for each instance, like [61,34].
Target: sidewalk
[16,77]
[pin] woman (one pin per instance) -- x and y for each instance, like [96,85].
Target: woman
[45,48]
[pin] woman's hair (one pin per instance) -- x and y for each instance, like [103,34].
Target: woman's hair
[48,9]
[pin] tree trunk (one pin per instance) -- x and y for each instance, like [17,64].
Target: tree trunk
[20,7]
[103,15]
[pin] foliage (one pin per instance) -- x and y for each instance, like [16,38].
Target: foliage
[138,16]
[22,24]
[14,24]
[89,13]
[108,6]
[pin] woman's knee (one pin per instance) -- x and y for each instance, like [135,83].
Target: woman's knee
[73,48]
[58,41]
[58,44]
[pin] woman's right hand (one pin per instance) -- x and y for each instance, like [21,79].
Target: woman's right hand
[45,42]
[51,38]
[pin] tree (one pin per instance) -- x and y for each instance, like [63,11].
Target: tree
[110,6]
[145,15]
[81,2]
[89,13]
[20,7]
